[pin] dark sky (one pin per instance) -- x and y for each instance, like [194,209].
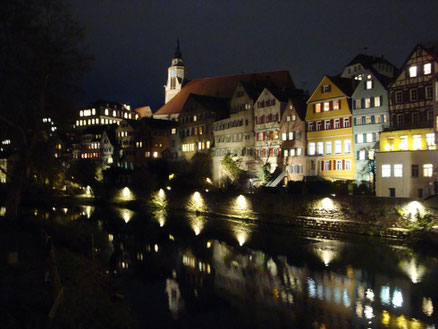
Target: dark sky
[133,40]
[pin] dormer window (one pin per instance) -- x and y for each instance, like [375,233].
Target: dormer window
[413,71]
[369,84]
[427,69]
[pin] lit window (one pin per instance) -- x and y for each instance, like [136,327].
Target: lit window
[427,68]
[326,88]
[310,126]
[328,147]
[336,104]
[338,164]
[317,107]
[337,124]
[398,170]
[173,131]
[106,112]
[347,164]
[155,154]
[346,122]
[427,170]
[359,138]
[367,103]
[362,155]
[358,103]
[430,141]
[338,147]
[93,111]
[292,152]
[299,151]
[195,118]
[413,71]
[81,113]
[369,84]
[286,153]
[403,142]
[377,101]
[320,147]
[327,124]
[294,117]
[371,154]
[327,165]
[291,135]
[326,106]
[386,170]
[283,136]
[417,142]
[347,146]
[369,137]
[312,149]
[318,126]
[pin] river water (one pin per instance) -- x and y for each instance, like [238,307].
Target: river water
[189,270]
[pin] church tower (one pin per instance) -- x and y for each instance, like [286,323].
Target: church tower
[175,75]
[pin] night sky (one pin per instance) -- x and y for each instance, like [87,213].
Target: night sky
[133,40]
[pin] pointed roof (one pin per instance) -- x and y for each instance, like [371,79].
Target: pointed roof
[210,103]
[346,85]
[223,87]
[177,53]
[367,61]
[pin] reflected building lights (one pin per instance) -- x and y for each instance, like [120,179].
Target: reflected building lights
[160,216]
[369,294]
[385,295]
[159,199]
[197,222]
[88,211]
[427,306]
[3,211]
[368,312]
[397,298]
[126,214]
[414,270]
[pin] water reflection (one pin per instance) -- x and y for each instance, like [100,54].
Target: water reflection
[159,199]
[197,222]
[298,282]
[2,211]
[125,214]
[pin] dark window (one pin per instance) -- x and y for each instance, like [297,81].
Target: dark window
[415,170]
[392,192]
[420,192]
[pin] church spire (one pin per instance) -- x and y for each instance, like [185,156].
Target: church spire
[177,58]
[177,50]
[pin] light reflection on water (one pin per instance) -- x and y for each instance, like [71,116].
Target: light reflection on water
[307,283]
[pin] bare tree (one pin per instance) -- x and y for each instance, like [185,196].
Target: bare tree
[41,61]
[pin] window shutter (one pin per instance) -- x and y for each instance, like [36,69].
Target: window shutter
[372,102]
[339,104]
[343,164]
[354,120]
[314,108]
[381,118]
[330,165]
[357,155]
[374,137]
[334,164]
[355,139]
[322,165]
[381,100]
[332,124]
[331,106]
[322,89]
[362,103]
[341,123]
[373,120]
[354,104]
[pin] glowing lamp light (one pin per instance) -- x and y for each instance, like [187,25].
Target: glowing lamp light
[208,180]
[196,203]
[397,298]
[126,194]
[412,208]
[327,204]
[196,229]
[161,194]
[241,202]
[156,248]
[241,238]
[126,214]
[168,188]
[208,244]
[3,211]
[110,237]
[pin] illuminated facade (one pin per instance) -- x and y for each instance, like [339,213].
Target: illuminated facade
[196,123]
[370,116]
[235,134]
[406,163]
[268,109]
[3,170]
[293,139]
[175,75]
[104,113]
[329,130]
[410,94]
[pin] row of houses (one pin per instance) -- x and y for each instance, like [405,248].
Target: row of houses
[371,123]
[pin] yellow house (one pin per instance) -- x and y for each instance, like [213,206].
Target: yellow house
[407,140]
[329,130]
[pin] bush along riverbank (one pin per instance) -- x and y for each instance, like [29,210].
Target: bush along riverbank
[56,276]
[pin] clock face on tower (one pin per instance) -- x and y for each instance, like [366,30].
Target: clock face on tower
[172,72]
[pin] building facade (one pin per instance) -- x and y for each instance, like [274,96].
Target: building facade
[370,117]
[293,139]
[234,135]
[406,162]
[410,94]
[329,130]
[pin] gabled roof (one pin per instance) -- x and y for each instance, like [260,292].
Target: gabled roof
[223,87]
[215,104]
[110,131]
[93,130]
[367,61]
[299,103]
[431,47]
[346,85]
[157,123]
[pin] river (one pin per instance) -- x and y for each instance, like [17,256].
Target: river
[189,270]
